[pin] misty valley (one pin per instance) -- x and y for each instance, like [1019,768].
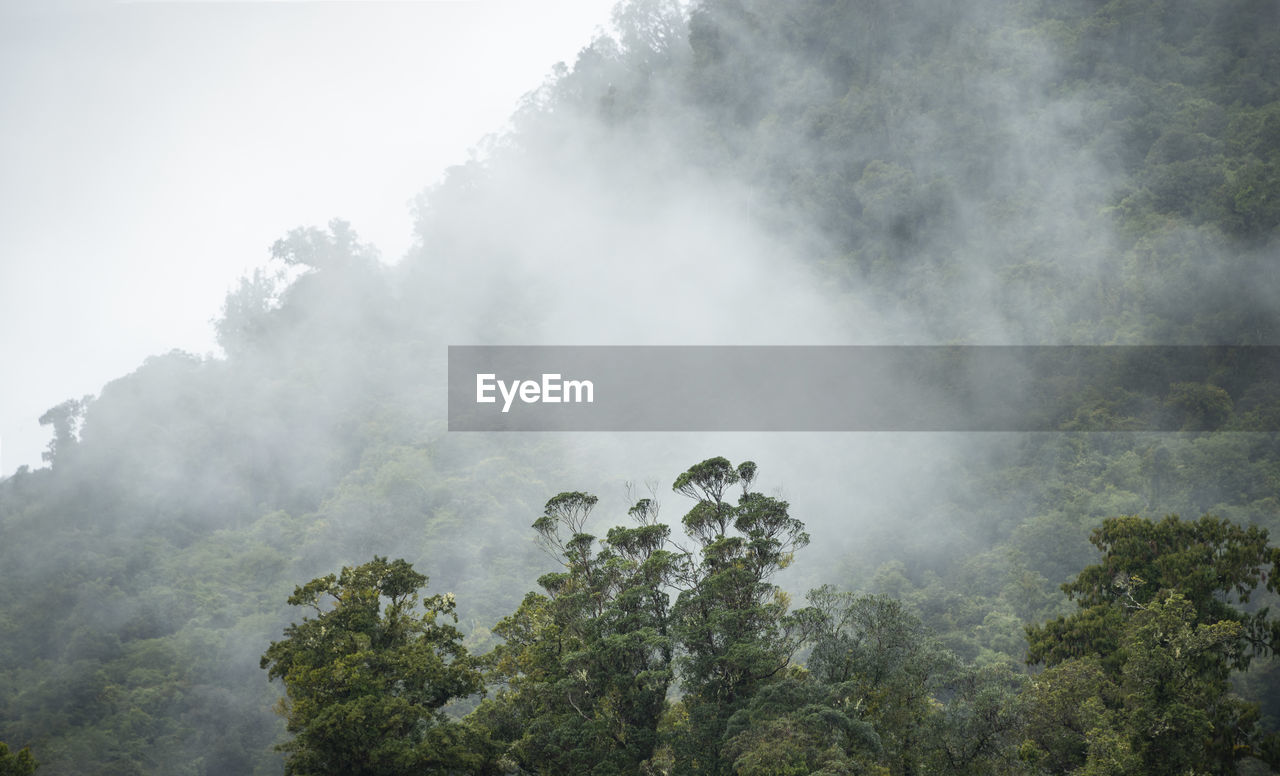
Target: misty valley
[280,560]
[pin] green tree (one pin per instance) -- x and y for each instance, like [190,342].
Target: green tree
[872,650]
[19,763]
[366,678]
[977,728]
[1178,707]
[1208,561]
[585,667]
[1160,631]
[1073,721]
[928,712]
[731,620]
[797,725]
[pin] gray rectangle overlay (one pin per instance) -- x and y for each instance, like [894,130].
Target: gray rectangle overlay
[864,388]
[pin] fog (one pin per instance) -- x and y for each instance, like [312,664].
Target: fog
[154,151]
[682,229]
[721,173]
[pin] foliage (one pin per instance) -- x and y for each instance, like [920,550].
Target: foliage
[65,419]
[730,620]
[365,681]
[799,726]
[1205,561]
[884,661]
[19,763]
[586,667]
[1148,659]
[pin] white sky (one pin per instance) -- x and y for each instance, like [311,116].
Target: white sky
[150,153]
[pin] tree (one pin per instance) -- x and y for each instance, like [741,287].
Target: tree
[871,650]
[19,763]
[927,711]
[365,680]
[1160,630]
[1207,561]
[316,249]
[65,419]
[731,620]
[1073,721]
[587,665]
[246,311]
[797,725]
[979,724]
[1178,707]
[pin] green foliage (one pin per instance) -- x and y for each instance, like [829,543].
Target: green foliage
[1174,679]
[1148,659]
[730,621]
[586,667]
[1204,561]
[980,726]
[881,658]
[365,681]
[1073,720]
[799,726]
[928,710]
[19,763]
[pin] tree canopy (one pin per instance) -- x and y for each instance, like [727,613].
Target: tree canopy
[367,677]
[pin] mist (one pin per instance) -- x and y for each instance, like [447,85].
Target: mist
[156,150]
[331,217]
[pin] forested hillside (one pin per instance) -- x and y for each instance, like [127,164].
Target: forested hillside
[726,172]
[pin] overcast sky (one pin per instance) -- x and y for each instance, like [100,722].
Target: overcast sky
[152,151]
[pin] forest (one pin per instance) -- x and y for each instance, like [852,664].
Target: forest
[279,560]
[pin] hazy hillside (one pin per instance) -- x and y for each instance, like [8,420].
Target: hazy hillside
[734,172]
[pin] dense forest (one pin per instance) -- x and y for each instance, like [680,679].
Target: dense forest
[279,560]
